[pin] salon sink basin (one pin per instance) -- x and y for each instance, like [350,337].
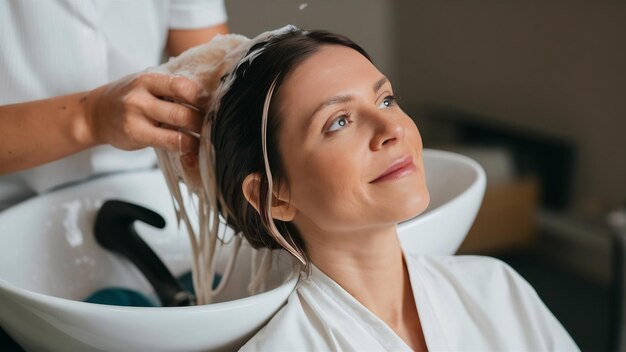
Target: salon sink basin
[49,262]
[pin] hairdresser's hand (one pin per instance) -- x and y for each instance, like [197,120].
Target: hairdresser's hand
[130,114]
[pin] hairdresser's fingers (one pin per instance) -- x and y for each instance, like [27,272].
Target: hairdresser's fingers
[170,140]
[173,114]
[179,88]
[189,160]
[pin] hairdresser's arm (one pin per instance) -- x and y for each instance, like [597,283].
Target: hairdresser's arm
[179,40]
[126,114]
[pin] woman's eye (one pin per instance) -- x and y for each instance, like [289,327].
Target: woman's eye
[339,123]
[387,102]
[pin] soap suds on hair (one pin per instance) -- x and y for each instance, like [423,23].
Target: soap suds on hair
[214,65]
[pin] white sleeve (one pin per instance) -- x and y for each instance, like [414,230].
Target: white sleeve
[486,305]
[541,322]
[192,14]
[533,319]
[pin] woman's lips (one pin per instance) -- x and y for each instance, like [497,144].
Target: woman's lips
[399,168]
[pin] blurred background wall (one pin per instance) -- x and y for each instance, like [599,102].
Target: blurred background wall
[535,92]
[553,66]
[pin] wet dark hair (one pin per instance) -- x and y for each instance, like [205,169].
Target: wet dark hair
[237,135]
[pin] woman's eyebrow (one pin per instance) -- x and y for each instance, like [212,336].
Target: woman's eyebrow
[334,100]
[381,82]
[345,98]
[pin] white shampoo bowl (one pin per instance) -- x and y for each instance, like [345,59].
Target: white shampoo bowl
[49,262]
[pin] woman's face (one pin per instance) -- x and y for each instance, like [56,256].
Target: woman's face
[341,129]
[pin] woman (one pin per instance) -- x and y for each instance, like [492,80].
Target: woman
[338,167]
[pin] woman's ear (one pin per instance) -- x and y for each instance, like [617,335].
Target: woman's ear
[281,208]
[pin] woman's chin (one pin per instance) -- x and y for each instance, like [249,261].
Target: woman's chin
[413,205]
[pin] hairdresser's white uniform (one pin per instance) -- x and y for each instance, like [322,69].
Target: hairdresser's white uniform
[465,303]
[58,47]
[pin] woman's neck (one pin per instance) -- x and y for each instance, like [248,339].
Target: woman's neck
[370,267]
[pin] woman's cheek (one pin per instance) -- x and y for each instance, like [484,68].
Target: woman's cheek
[323,174]
[413,132]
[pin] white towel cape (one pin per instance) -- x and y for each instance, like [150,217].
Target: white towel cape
[465,303]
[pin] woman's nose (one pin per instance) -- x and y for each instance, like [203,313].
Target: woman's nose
[387,130]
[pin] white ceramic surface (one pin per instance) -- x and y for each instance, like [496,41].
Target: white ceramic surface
[49,261]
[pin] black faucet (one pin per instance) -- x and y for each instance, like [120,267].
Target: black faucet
[114,231]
